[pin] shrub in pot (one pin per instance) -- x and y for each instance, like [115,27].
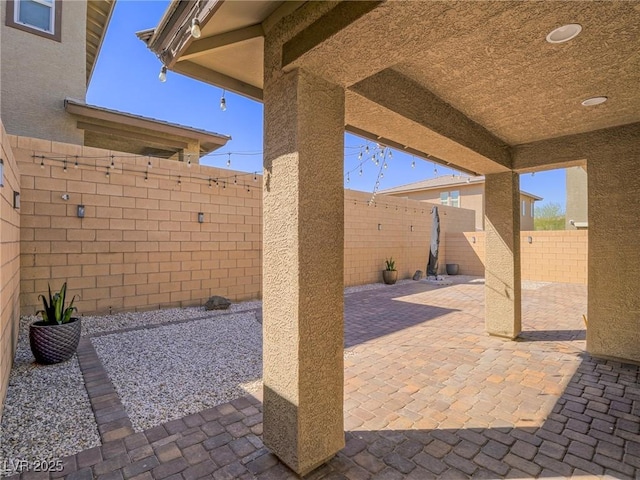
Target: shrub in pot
[55,338]
[390,274]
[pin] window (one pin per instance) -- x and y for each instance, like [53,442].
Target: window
[524,207]
[454,198]
[41,17]
[532,208]
[450,198]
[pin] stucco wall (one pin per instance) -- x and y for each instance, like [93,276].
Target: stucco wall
[552,256]
[576,184]
[9,264]
[471,197]
[38,73]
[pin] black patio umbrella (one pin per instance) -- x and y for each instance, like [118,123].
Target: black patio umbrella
[432,265]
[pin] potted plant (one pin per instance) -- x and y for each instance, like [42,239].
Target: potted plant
[390,274]
[55,338]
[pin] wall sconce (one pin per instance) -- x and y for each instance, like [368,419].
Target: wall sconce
[65,196]
[473,239]
[379,226]
[411,228]
[16,200]
[1,173]
[530,239]
[80,211]
[200,217]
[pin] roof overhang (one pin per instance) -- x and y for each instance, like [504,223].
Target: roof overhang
[105,128]
[98,16]
[472,84]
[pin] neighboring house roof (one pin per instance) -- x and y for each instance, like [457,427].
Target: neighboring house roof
[443,181]
[141,135]
[98,16]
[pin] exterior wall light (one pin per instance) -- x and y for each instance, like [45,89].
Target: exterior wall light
[16,200]
[473,239]
[530,239]
[379,226]
[80,211]
[411,228]
[200,217]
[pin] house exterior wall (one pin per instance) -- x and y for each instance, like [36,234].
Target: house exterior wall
[577,196]
[552,256]
[38,73]
[9,264]
[471,197]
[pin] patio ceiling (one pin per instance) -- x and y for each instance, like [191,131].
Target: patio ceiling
[462,81]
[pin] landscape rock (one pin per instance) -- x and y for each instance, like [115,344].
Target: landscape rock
[417,275]
[217,303]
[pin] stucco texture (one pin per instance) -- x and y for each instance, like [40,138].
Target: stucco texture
[38,73]
[502,257]
[303,268]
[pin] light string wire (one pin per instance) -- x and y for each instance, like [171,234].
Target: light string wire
[147,172]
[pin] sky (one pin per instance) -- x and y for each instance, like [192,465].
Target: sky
[126,79]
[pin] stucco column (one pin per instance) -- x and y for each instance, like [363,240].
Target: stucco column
[502,260]
[303,269]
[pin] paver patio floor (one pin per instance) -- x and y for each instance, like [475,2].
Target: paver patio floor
[427,395]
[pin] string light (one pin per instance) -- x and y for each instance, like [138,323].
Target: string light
[75,165]
[223,102]
[107,174]
[64,168]
[235,180]
[348,179]
[113,165]
[255,177]
[149,165]
[210,185]
[146,176]
[435,170]
[179,180]
[195,28]
[42,162]
[188,160]
[413,162]
[229,160]
[162,76]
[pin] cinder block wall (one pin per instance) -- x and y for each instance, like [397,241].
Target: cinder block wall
[367,247]
[140,245]
[9,264]
[552,256]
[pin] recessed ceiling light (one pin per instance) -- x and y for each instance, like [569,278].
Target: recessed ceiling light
[589,102]
[564,33]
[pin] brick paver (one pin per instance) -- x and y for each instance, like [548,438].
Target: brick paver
[427,395]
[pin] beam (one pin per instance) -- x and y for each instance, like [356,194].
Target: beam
[206,75]
[343,15]
[398,93]
[404,148]
[569,151]
[205,45]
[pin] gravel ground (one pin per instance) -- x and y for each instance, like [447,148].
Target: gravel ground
[167,372]
[47,414]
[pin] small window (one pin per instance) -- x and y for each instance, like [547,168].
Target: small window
[532,208]
[524,207]
[444,198]
[455,198]
[41,17]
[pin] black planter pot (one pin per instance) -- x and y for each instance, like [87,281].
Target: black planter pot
[390,276]
[452,268]
[54,343]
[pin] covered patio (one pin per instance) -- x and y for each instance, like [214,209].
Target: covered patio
[426,393]
[487,88]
